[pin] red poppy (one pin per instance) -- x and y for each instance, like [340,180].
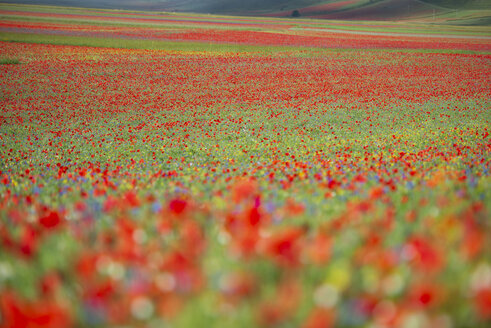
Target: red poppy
[177,206]
[320,318]
[482,301]
[42,313]
[50,220]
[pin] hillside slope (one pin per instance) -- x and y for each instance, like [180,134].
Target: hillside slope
[330,9]
[199,6]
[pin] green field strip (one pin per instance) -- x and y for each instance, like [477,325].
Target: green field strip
[192,46]
[89,22]
[364,27]
[424,29]
[134,14]
[140,44]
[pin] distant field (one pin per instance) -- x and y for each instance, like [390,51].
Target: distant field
[83,26]
[181,170]
[473,12]
[384,9]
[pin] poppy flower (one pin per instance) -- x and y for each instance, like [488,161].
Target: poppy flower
[50,220]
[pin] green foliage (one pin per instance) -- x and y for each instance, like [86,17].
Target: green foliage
[9,61]
[295,13]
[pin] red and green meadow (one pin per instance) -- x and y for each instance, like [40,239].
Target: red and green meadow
[210,171]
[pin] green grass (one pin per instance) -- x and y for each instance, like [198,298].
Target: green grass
[479,21]
[194,46]
[411,28]
[460,4]
[140,44]
[164,25]
[9,61]
[200,113]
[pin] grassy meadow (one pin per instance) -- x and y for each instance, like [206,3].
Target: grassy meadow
[182,170]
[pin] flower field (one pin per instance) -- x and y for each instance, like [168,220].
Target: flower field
[318,180]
